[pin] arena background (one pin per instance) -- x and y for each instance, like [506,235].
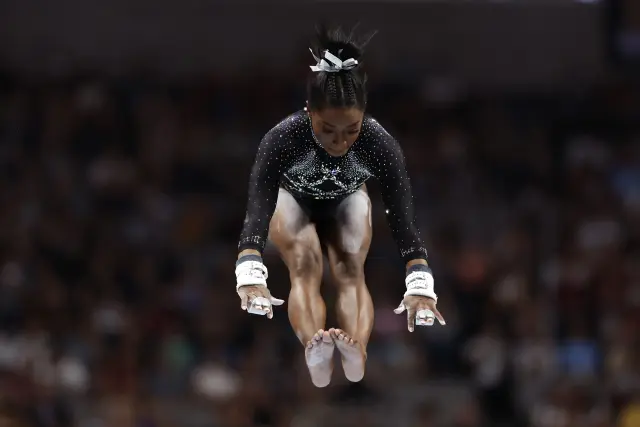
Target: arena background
[127,130]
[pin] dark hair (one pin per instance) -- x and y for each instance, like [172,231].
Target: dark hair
[346,88]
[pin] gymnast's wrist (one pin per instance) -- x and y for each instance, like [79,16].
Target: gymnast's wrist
[250,271]
[246,252]
[416,261]
[419,281]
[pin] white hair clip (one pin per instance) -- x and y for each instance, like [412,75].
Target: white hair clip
[334,63]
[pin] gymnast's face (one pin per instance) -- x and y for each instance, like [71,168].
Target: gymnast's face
[337,128]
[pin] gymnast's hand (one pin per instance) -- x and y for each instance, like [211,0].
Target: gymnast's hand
[257,299]
[251,285]
[420,299]
[421,311]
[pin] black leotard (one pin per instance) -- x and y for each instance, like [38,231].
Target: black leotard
[291,157]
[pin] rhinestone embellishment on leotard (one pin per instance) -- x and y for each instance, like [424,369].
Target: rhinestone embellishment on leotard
[310,176]
[291,156]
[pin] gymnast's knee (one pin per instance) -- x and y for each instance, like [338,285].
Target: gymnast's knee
[348,271]
[304,262]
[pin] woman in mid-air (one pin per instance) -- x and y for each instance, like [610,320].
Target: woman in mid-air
[307,186]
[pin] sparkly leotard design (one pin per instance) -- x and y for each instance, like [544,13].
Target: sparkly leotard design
[290,156]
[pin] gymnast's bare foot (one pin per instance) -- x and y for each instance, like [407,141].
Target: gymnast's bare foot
[353,355]
[319,357]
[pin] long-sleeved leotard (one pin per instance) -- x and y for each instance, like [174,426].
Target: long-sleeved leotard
[291,157]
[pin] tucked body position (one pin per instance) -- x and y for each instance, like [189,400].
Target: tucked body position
[307,187]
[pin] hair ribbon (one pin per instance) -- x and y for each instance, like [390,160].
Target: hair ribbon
[333,64]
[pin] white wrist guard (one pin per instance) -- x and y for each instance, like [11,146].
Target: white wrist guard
[251,273]
[420,283]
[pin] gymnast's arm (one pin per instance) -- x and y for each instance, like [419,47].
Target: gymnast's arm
[263,195]
[391,172]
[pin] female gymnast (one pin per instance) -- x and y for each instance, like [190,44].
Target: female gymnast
[307,186]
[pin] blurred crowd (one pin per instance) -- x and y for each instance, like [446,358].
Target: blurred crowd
[121,205]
